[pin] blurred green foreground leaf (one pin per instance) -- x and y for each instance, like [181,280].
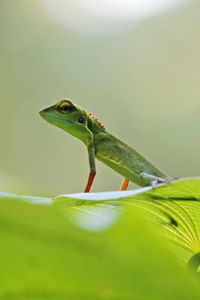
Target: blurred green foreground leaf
[45,255]
[174,209]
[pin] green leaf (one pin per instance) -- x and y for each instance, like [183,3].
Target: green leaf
[45,256]
[174,208]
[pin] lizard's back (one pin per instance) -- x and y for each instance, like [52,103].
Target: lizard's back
[124,159]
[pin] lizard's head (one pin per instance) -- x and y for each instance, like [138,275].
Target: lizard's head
[70,118]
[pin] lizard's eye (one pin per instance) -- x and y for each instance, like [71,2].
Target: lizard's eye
[65,108]
[81,120]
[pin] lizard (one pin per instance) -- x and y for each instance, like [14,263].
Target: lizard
[103,146]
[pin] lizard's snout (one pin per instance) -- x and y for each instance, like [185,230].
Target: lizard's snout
[43,111]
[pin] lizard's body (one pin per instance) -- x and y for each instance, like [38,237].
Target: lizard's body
[102,145]
[124,159]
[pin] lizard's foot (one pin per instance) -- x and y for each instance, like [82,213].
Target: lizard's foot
[154,180]
[160,180]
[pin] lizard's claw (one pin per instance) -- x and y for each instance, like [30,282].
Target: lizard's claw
[162,180]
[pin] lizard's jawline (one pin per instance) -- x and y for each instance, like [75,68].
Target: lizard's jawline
[49,115]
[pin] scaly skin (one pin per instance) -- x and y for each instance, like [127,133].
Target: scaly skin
[102,145]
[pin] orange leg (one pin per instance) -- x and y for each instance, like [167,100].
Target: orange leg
[124,185]
[90,181]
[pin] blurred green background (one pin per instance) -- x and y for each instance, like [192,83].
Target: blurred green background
[143,84]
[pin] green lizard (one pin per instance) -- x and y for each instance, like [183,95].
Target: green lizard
[103,145]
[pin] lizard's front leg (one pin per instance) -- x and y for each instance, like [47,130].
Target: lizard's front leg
[91,154]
